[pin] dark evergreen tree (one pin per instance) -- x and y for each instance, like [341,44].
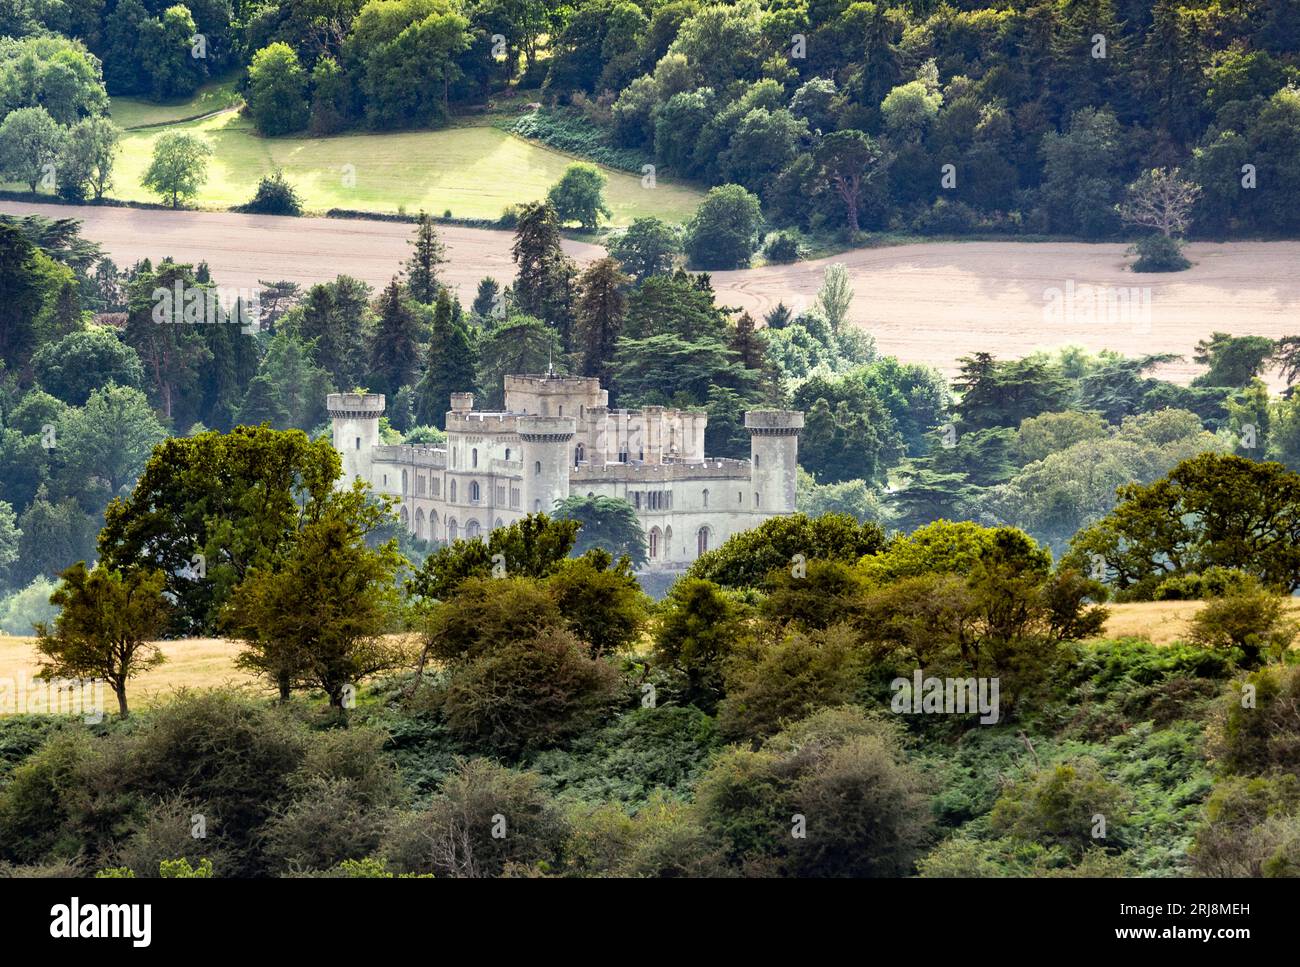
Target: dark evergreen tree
[395,349]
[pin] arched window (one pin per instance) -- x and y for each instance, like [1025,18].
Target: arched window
[579,454]
[404,483]
[498,523]
[473,457]
[701,540]
[433,525]
[654,543]
[756,459]
[358,446]
[537,469]
[537,506]
[406,520]
[453,532]
[473,494]
[706,496]
[419,524]
[472,530]
[453,491]
[755,498]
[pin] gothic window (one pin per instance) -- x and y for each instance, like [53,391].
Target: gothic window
[472,530]
[654,543]
[453,532]
[702,540]
[453,491]
[473,496]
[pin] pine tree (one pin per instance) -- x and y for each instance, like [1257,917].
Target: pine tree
[422,267]
[601,310]
[544,282]
[450,365]
[395,349]
[487,299]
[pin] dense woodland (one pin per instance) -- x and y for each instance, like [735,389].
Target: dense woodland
[1027,118]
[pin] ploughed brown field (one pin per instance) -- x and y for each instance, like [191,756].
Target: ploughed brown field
[930,303]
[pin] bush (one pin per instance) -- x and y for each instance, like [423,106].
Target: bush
[1256,730]
[782,247]
[1057,807]
[274,196]
[845,774]
[699,626]
[1213,582]
[326,824]
[1251,829]
[528,695]
[770,686]
[1253,620]
[1159,253]
[454,836]
[662,840]
[661,750]
[167,832]
[489,613]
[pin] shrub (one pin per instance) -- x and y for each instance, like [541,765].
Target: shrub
[1256,729]
[1213,582]
[454,836]
[1159,253]
[773,684]
[648,750]
[782,247]
[488,613]
[840,770]
[1253,620]
[167,832]
[326,824]
[274,196]
[1251,829]
[699,626]
[1057,806]
[528,695]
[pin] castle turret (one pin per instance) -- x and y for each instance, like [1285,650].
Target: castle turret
[546,443]
[774,457]
[356,431]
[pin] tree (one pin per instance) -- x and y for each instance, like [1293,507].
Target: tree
[699,627]
[108,440]
[277,90]
[90,148]
[997,393]
[846,161]
[105,628]
[179,166]
[288,390]
[1210,510]
[30,142]
[543,281]
[329,97]
[601,601]
[233,499]
[335,318]
[647,248]
[171,351]
[422,267]
[599,317]
[521,344]
[609,523]
[1232,360]
[450,366]
[315,614]
[579,196]
[1250,619]
[73,367]
[746,559]
[394,352]
[1162,199]
[52,72]
[724,231]
[9,538]
[835,297]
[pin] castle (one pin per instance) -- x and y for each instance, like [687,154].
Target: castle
[557,436]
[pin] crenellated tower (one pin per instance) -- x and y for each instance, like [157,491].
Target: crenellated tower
[356,431]
[774,457]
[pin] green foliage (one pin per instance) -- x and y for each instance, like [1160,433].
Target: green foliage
[1256,729]
[179,166]
[1159,253]
[652,750]
[723,232]
[609,523]
[699,627]
[1060,807]
[274,196]
[454,835]
[277,90]
[578,196]
[72,367]
[746,559]
[845,774]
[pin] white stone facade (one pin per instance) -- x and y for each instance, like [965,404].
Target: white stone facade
[557,436]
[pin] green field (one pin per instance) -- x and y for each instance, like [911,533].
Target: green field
[130,112]
[472,171]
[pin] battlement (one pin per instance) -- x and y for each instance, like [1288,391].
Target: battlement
[714,469]
[774,422]
[355,405]
[545,429]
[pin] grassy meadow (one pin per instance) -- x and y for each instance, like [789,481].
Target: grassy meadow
[472,170]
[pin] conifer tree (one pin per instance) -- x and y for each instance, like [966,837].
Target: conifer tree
[422,267]
[601,310]
[450,364]
[395,349]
